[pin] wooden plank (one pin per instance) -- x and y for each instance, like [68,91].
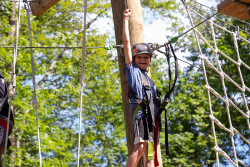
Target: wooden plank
[39,8]
[234,9]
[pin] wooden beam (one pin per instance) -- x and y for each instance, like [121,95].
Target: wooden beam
[234,9]
[39,8]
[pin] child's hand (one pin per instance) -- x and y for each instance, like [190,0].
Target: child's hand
[127,13]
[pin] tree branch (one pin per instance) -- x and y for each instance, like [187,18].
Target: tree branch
[60,56]
[50,69]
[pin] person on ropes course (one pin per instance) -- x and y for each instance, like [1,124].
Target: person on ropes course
[4,109]
[142,91]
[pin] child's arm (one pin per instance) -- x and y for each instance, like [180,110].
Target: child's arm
[126,40]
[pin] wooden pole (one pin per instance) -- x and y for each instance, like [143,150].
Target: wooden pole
[137,35]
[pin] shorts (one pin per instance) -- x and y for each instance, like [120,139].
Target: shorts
[3,131]
[141,130]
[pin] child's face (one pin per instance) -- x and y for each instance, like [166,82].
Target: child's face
[143,61]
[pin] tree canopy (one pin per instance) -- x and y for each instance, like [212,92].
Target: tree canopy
[103,141]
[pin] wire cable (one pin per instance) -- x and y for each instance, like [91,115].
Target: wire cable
[68,47]
[173,40]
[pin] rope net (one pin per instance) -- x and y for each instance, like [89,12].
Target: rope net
[223,76]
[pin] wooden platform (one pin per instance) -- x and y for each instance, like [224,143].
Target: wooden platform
[39,8]
[234,9]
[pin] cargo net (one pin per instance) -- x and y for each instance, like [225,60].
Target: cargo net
[223,76]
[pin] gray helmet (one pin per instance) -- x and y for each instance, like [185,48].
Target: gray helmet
[141,48]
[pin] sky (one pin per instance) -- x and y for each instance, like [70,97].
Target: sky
[155,29]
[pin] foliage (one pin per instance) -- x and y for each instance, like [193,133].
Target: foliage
[102,137]
[103,133]
[225,43]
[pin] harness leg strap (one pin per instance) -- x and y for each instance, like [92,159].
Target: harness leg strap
[150,150]
[156,135]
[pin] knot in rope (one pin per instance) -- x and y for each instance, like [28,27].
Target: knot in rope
[217,149]
[243,89]
[226,101]
[208,87]
[35,104]
[211,117]
[12,87]
[239,62]
[248,113]
[11,90]
[201,56]
[221,74]
[81,81]
[231,131]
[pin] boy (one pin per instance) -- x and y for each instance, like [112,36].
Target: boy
[144,123]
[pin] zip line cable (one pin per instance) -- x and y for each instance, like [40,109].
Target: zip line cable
[82,79]
[197,25]
[108,47]
[173,40]
[12,86]
[34,100]
[221,13]
[236,27]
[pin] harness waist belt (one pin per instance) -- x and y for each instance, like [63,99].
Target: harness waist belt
[4,124]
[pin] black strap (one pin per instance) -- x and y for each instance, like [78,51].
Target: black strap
[166,134]
[150,114]
[171,87]
[4,101]
[167,96]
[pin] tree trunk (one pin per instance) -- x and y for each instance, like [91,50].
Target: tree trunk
[136,33]
[12,20]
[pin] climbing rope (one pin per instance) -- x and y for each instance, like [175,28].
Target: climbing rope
[34,100]
[12,86]
[223,76]
[82,79]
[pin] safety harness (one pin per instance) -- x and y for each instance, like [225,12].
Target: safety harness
[147,104]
